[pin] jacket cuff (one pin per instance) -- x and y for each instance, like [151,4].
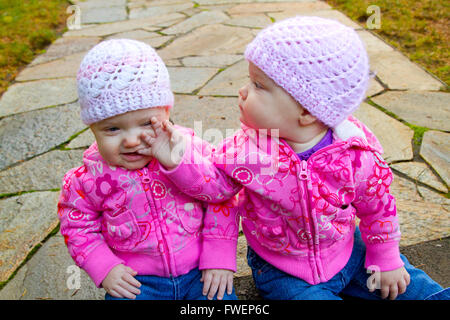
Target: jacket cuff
[386,256]
[100,262]
[218,254]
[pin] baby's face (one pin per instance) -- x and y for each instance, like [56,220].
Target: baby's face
[119,137]
[265,105]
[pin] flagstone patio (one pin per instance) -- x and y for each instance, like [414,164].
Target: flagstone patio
[202,43]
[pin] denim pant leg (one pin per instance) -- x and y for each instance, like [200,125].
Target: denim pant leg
[274,284]
[421,286]
[152,288]
[192,288]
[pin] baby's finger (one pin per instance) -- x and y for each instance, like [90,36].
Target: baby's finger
[384,292]
[145,151]
[407,279]
[221,289]
[206,283]
[213,289]
[130,270]
[131,280]
[393,291]
[129,288]
[230,284]
[156,125]
[401,287]
[124,293]
[114,293]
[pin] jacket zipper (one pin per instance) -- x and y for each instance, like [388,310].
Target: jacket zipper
[162,244]
[303,176]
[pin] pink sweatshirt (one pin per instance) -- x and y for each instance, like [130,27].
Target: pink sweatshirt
[110,215]
[300,215]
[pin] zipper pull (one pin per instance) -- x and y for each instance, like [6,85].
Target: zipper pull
[145,177]
[303,175]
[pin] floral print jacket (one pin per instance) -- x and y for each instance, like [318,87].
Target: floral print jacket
[300,216]
[110,215]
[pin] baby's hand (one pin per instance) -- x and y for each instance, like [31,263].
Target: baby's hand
[120,282]
[393,283]
[166,143]
[217,280]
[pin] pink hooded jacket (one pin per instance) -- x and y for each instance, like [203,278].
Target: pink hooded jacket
[110,215]
[300,215]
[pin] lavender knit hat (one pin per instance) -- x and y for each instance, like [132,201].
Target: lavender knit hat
[320,62]
[121,75]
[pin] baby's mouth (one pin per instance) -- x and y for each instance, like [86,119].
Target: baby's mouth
[132,156]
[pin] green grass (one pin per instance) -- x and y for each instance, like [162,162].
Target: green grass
[26,28]
[419,29]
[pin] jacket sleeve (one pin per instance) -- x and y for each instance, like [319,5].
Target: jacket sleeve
[376,208]
[198,176]
[81,226]
[220,235]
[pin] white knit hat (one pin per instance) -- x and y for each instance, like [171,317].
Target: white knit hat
[121,75]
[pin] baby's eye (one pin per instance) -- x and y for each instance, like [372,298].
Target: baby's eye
[112,129]
[257,85]
[148,123]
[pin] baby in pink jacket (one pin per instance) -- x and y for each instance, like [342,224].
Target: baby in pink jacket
[124,222]
[307,169]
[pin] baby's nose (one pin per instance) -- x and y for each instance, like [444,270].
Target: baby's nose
[131,141]
[243,92]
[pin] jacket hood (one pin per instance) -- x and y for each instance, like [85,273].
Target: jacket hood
[92,156]
[353,128]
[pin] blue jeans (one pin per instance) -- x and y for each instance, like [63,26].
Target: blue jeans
[275,284]
[184,287]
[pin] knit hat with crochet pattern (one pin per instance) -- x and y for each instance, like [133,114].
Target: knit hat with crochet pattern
[121,75]
[320,62]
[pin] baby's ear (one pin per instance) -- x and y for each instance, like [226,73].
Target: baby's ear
[305,118]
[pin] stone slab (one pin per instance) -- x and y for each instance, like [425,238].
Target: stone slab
[385,127]
[373,43]
[87,4]
[25,221]
[212,118]
[64,47]
[153,39]
[25,135]
[51,274]
[374,88]
[66,67]
[155,10]
[229,81]
[397,72]
[433,257]
[435,149]
[186,79]
[103,14]
[327,14]
[121,26]
[249,21]
[200,19]
[35,174]
[243,269]
[421,219]
[134,34]
[421,172]
[216,2]
[84,140]
[297,7]
[218,61]
[422,108]
[23,97]
[208,41]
